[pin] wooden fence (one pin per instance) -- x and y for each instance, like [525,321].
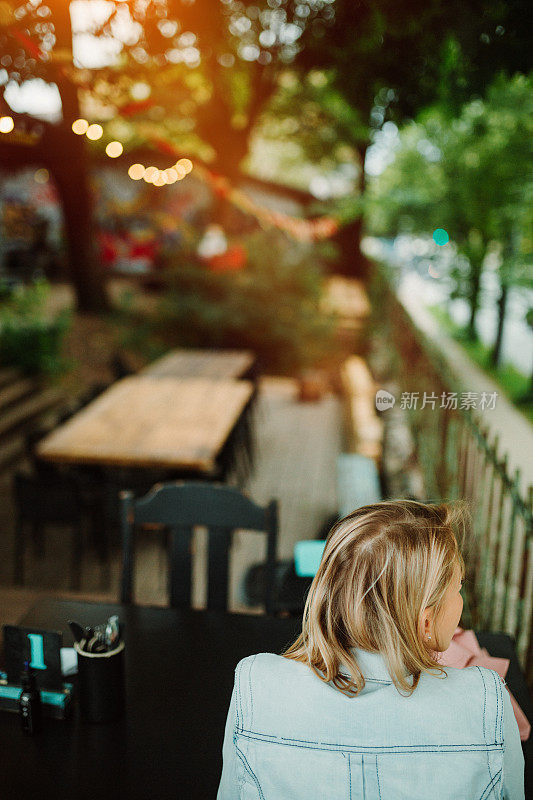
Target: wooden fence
[459,459]
[500,556]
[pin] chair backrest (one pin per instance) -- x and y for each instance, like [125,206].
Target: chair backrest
[182,505]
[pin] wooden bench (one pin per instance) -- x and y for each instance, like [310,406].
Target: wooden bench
[198,363]
[364,427]
[347,300]
[24,401]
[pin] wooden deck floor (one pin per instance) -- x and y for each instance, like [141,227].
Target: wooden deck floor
[297,447]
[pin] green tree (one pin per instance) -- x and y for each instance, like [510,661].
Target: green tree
[211,72]
[473,176]
[529,394]
[389,60]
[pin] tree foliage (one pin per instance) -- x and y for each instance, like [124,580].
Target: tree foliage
[473,176]
[202,74]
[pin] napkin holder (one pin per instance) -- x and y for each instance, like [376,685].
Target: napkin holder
[56,703]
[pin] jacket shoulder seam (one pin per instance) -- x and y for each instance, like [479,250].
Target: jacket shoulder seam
[243,685]
[492,687]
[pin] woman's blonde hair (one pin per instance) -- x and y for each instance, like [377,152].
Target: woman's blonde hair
[382,566]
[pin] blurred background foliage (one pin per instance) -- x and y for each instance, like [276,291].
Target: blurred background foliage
[304,93]
[473,176]
[31,339]
[272,307]
[313,80]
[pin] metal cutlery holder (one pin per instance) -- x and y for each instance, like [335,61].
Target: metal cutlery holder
[101,685]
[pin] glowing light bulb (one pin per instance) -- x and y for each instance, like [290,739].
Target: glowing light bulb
[80,126]
[6,124]
[94,132]
[185,164]
[114,149]
[150,173]
[171,175]
[41,175]
[136,172]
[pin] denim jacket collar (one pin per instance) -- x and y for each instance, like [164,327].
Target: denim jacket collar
[372,665]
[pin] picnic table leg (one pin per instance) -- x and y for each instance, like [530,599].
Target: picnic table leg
[19,553]
[77,555]
[237,456]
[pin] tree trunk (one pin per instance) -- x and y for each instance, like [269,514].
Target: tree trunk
[231,149]
[475,287]
[63,154]
[71,178]
[495,356]
[67,158]
[352,262]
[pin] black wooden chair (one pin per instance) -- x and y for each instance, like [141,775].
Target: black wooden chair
[180,507]
[41,501]
[291,590]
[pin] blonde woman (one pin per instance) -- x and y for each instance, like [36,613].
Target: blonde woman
[359,707]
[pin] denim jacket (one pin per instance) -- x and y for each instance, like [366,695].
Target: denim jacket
[291,736]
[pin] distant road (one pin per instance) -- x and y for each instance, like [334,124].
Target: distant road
[414,279]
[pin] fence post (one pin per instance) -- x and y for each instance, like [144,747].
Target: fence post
[525,621]
[514,556]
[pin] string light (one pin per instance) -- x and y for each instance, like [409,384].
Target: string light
[94,132]
[114,149]
[157,176]
[6,124]
[80,126]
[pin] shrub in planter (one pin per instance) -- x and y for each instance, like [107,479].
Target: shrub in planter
[272,306]
[29,338]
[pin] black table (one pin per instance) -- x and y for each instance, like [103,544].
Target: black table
[180,667]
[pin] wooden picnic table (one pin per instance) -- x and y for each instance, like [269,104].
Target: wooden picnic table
[198,363]
[148,422]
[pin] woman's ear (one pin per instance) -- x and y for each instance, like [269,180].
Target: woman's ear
[426,623]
